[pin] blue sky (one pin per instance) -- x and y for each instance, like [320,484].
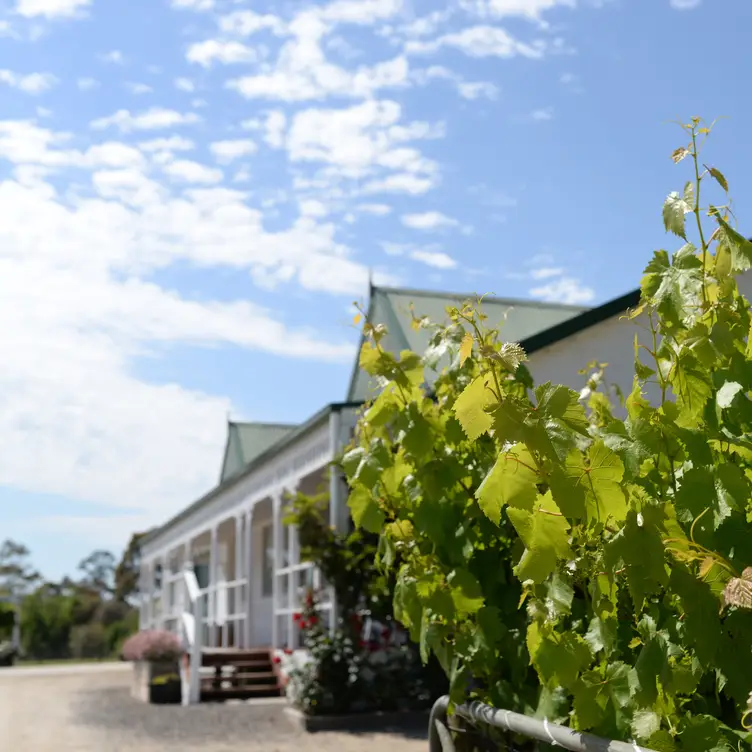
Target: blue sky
[194,192]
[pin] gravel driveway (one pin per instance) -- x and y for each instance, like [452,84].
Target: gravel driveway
[92,711]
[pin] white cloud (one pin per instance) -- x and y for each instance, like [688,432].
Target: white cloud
[436,259]
[187,171]
[115,57]
[431,220]
[547,272]
[51,8]
[564,290]
[365,140]
[138,88]
[216,50]
[533,10]
[173,143]
[377,210]
[227,151]
[152,119]
[684,4]
[542,115]
[31,83]
[245,23]
[476,89]
[313,208]
[480,41]
[274,128]
[185,84]
[199,5]
[85,84]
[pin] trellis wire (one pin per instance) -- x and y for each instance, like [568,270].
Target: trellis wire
[480,715]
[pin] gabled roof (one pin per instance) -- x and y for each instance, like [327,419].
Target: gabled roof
[518,320]
[246,441]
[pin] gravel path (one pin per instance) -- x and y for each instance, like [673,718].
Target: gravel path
[93,712]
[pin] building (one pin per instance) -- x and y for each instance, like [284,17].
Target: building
[246,560]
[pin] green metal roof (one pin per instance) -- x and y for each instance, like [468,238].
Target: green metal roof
[246,441]
[517,319]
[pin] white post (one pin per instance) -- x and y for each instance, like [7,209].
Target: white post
[237,588]
[335,429]
[292,560]
[248,577]
[277,538]
[212,594]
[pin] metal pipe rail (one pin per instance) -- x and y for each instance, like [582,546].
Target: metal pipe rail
[479,714]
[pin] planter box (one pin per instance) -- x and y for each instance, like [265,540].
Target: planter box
[359,722]
[144,673]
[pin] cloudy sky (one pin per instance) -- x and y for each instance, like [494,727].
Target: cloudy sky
[193,192]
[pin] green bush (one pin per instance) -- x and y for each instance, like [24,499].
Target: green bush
[560,560]
[89,641]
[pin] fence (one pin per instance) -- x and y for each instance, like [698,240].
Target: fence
[480,727]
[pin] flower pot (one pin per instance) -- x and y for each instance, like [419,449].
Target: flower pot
[165,693]
[144,674]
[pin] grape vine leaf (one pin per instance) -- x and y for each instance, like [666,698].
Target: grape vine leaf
[466,348]
[364,509]
[466,592]
[560,657]
[511,481]
[720,178]
[600,480]
[674,209]
[690,384]
[738,245]
[545,533]
[645,723]
[470,407]
[725,395]
[562,404]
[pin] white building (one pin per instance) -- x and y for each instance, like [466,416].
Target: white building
[246,561]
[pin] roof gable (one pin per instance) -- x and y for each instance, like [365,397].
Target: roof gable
[246,441]
[517,319]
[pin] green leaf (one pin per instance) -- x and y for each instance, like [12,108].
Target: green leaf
[561,657]
[466,592]
[508,420]
[601,635]
[718,175]
[562,404]
[726,394]
[738,245]
[689,195]
[638,548]
[512,480]
[545,534]
[364,509]
[703,733]
[674,209]
[418,436]
[470,407]
[690,384]
[645,723]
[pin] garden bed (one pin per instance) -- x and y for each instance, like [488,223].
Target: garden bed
[380,721]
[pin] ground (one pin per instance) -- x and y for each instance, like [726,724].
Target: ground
[88,708]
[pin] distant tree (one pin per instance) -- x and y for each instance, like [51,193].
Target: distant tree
[46,622]
[17,576]
[88,641]
[128,569]
[99,572]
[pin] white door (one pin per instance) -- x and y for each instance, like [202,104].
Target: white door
[262,578]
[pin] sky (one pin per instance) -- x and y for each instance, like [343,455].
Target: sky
[193,193]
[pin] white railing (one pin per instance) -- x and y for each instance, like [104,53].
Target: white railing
[191,622]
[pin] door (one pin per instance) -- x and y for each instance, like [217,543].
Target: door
[262,579]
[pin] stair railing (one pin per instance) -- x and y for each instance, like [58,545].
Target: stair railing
[192,629]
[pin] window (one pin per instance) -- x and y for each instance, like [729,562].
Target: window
[267,561]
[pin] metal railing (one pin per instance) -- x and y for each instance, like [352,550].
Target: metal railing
[473,726]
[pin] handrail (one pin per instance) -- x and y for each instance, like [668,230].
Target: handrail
[192,623]
[479,714]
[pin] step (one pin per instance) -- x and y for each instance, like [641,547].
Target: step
[219,694]
[247,679]
[231,657]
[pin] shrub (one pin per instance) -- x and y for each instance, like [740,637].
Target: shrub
[89,641]
[558,559]
[154,645]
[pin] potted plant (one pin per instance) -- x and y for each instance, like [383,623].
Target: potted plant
[165,690]
[155,655]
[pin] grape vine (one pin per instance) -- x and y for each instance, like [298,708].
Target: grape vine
[563,557]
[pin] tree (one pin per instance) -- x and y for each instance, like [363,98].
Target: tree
[17,576]
[99,572]
[128,569]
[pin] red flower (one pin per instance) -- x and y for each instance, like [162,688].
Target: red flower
[288,651]
[309,600]
[297,617]
[313,620]
[276,659]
